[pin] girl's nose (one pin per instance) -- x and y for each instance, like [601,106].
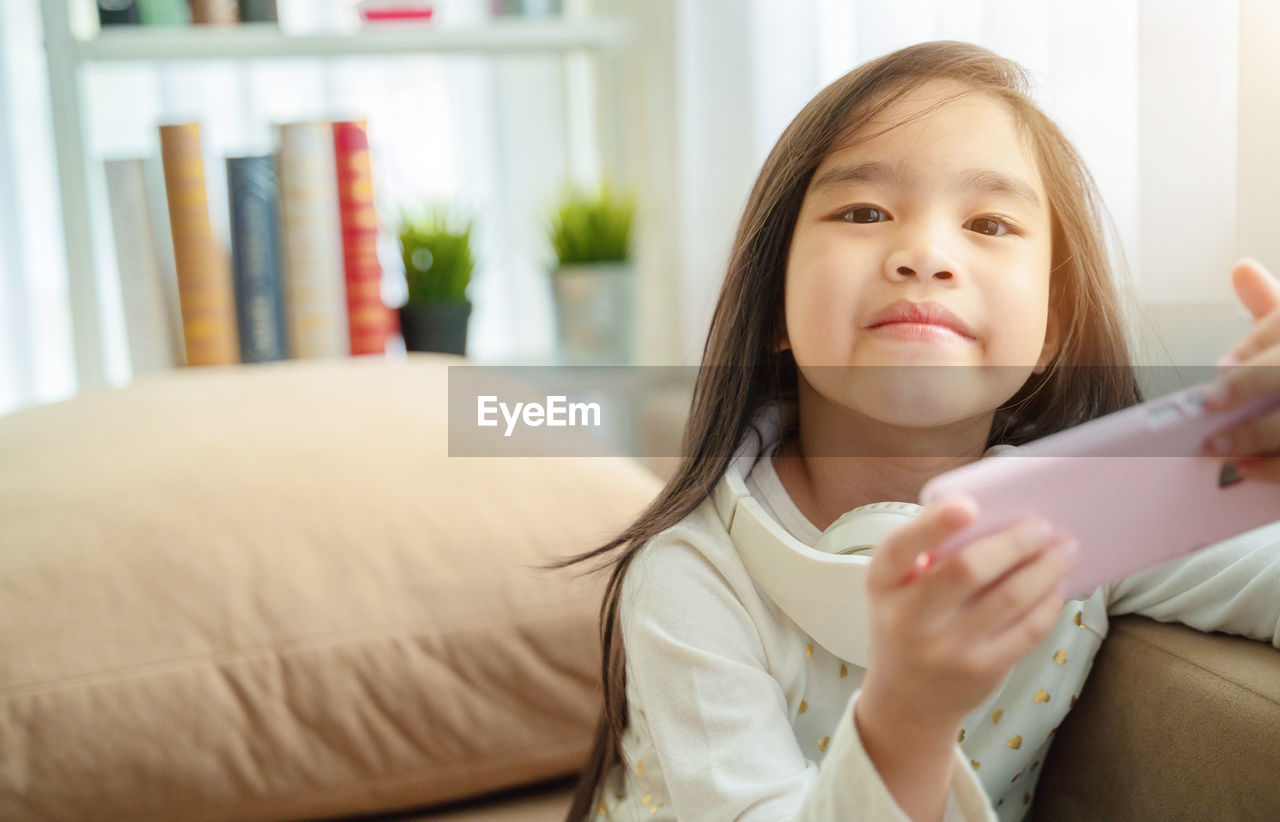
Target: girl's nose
[924,254]
[908,272]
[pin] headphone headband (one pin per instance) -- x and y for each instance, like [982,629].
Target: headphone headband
[823,590]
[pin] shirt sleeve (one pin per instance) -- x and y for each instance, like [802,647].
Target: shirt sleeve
[848,785]
[1232,586]
[698,668]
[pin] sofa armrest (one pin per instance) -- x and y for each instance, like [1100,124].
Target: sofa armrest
[1172,724]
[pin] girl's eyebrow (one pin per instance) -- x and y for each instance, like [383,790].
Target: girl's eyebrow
[983,180]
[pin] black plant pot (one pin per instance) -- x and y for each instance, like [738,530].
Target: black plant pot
[440,327]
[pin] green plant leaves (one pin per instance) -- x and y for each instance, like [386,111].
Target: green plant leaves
[592,226]
[586,226]
[436,249]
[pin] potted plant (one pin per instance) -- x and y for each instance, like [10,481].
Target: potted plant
[436,248]
[593,282]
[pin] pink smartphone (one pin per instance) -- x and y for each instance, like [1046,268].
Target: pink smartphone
[1136,488]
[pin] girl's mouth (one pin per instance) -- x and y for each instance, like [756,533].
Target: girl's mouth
[918,332]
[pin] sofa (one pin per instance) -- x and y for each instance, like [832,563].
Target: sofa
[268,593]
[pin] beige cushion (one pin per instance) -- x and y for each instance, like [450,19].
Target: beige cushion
[266,592]
[546,802]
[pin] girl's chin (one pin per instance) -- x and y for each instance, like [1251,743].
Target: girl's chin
[924,394]
[901,352]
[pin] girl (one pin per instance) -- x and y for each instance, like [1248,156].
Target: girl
[923,186]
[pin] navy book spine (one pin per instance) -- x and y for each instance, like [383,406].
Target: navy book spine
[255,257]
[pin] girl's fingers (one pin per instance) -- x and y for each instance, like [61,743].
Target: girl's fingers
[1024,632]
[1264,334]
[896,560]
[988,612]
[1257,288]
[962,574]
[1255,438]
[1259,469]
[1256,376]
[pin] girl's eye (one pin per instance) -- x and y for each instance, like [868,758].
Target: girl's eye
[987,226]
[991,226]
[862,214]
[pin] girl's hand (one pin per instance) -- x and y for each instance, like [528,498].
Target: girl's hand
[944,636]
[1256,442]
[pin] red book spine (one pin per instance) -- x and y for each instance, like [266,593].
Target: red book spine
[369,319]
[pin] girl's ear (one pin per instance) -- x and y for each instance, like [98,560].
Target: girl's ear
[1052,339]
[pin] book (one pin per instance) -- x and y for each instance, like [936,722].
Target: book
[369,319]
[164,12]
[203,271]
[252,196]
[118,12]
[162,242]
[311,241]
[150,330]
[216,12]
[380,11]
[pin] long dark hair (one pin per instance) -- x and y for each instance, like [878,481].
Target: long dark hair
[748,320]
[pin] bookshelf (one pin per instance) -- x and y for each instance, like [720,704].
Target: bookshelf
[265,40]
[72,45]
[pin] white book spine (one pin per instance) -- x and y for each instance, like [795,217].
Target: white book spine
[311,242]
[162,242]
[148,323]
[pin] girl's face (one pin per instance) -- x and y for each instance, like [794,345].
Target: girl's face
[948,209]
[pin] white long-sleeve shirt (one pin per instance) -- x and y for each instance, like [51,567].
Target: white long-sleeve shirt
[736,714]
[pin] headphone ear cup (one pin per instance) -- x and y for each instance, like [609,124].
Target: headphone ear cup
[865,527]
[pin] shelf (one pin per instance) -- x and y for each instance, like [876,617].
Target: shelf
[73,47]
[265,40]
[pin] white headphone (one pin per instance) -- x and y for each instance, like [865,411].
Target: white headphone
[823,588]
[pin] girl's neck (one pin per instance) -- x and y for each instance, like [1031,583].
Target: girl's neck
[824,487]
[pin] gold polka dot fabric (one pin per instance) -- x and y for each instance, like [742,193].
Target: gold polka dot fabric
[1004,741]
[637,787]
[826,685]
[1011,732]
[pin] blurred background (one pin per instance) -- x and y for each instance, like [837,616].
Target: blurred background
[658,113]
